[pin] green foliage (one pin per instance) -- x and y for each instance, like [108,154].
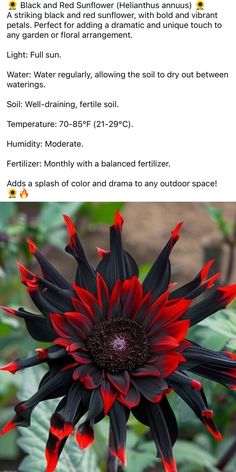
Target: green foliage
[223,323]
[101,212]
[224,226]
[32,440]
[187,452]
[8,449]
[7,212]
[50,216]
[143,271]
[140,453]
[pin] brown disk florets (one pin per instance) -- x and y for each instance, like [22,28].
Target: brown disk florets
[119,345]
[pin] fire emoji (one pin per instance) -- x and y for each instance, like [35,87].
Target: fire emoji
[24,193]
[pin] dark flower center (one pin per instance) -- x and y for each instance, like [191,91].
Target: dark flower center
[119,345]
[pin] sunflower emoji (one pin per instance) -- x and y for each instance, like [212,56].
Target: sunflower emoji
[200,5]
[12,5]
[12,193]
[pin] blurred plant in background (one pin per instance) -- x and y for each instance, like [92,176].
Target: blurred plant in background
[227,230]
[195,451]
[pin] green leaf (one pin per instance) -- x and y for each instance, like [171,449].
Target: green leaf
[140,457]
[8,449]
[101,212]
[7,212]
[208,337]
[224,323]
[188,452]
[143,271]
[217,216]
[50,217]
[34,438]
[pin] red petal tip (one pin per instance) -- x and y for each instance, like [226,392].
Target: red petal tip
[158,398]
[196,385]
[25,273]
[8,427]
[42,354]
[52,459]
[10,311]
[32,285]
[120,453]
[228,293]
[70,226]
[214,432]
[211,280]
[84,436]
[207,414]
[175,232]
[12,367]
[109,397]
[118,221]
[230,355]
[170,466]
[102,252]
[205,270]
[32,246]
[62,433]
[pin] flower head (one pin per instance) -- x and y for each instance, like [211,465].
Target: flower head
[119,346]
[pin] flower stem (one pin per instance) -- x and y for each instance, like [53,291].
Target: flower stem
[112,462]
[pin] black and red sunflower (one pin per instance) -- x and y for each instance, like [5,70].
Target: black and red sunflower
[119,346]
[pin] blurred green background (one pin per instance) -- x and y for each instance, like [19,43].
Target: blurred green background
[209,231]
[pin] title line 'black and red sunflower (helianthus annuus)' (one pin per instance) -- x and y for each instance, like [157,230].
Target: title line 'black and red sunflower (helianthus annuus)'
[119,346]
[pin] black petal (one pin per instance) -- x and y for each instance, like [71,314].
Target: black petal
[158,278]
[156,419]
[141,414]
[85,275]
[118,419]
[117,264]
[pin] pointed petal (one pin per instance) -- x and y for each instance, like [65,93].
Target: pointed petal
[117,264]
[158,278]
[20,364]
[109,395]
[90,375]
[37,326]
[156,416]
[118,426]
[85,435]
[8,427]
[131,399]
[85,276]
[197,402]
[189,289]
[146,370]
[131,296]
[49,272]
[151,388]
[120,381]
[53,450]
[218,300]
[115,308]
[217,366]
[102,295]
[79,322]
[90,301]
